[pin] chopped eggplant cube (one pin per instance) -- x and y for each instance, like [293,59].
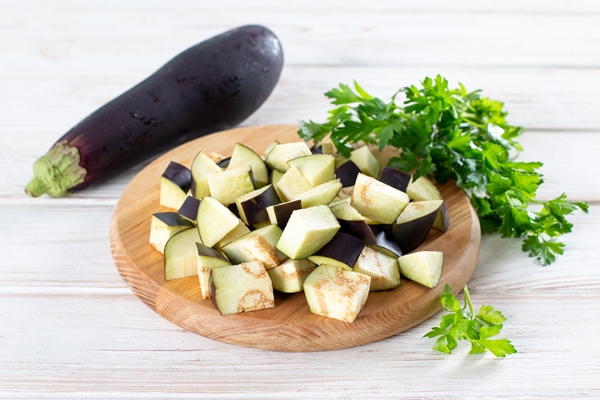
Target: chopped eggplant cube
[243,156]
[289,276]
[383,269]
[336,293]
[366,161]
[423,189]
[175,183]
[316,168]
[307,231]
[202,166]
[164,225]
[376,200]
[228,185]
[424,267]
[258,245]
[240,230]
[214,221]
[180,255]
[292,183]
[279,156]
[320,195]
[208,259]
[241,288]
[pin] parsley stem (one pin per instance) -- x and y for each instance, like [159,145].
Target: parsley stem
[468,300]
[472,122]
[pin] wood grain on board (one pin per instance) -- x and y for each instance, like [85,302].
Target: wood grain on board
[289,326]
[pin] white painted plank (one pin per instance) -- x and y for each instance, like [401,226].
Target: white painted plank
[504,268]
[56,246]
[120,347]
[354,34]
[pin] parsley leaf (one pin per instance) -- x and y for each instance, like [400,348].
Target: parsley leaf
[544,250]
[451,133]
[463,324]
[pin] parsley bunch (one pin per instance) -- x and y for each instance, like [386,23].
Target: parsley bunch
[463,324]
[454,134]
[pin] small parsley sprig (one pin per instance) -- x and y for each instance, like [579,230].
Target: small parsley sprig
[464,324]
[454,134]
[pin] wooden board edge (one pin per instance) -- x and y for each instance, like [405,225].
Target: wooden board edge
[141,285]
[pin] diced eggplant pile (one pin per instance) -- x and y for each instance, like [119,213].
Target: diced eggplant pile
[296,220]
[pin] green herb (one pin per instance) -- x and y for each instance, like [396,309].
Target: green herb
[463,324]
[454,134]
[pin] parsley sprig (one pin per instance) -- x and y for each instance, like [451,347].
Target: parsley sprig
[454,134]
[463,324]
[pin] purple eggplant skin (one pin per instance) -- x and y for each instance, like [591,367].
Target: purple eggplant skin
[224,163]
[233,208]
[411,234]
[206,251]
[314,149]
[347,173]
[255,209]
[359,229]
[284,211]
[344,248]
[179,175]
[213,291]
[171,218]
[189,208]
[385,242]
[209,87]
[395,178]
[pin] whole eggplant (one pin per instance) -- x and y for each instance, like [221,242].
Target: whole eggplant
[209,87]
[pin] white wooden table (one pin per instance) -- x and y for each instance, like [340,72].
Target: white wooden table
[71,328]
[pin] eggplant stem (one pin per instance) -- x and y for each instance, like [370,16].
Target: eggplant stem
[36,187]
[56,172]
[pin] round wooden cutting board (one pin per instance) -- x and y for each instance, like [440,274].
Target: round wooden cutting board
[289,326]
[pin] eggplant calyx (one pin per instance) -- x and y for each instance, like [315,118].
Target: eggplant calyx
[56,172]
